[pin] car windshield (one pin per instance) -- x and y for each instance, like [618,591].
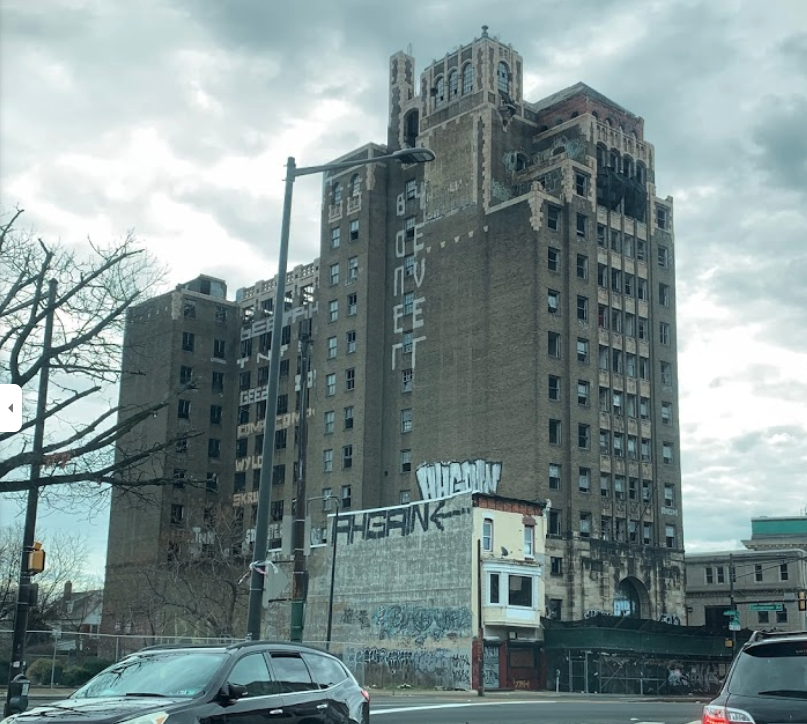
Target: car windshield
[774,669]
[164,673]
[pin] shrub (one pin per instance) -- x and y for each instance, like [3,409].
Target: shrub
[39,671]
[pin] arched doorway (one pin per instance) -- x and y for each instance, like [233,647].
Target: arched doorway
[631,599]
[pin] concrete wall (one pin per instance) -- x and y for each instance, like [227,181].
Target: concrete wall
[403,592]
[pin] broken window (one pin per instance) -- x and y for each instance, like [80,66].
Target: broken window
[354,229]
[355,184]
[553,217]
[503,76]
[582,392]
[583,436]
[664,295]
[582,224]
[663,256]
[189,309]
[582,308]
[582,266]
[601,235]
[664,333]
[616,240]
[406,461]
[351,304]
[662,217]
[554,432]
[439,91]
[467,79]
[554,476]
[641,249]
[582,350]
[581,184]
[553,344]
[188,339]
[666,374]
[453,84]
[553,301]
[552,259]
[553,387]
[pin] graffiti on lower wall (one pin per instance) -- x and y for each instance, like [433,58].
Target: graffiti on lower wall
[441,479]
[422,622]
[400,521]
[446,667]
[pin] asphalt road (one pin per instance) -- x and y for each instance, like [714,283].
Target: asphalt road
[585,710]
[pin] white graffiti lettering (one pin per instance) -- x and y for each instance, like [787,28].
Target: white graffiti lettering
[439,480]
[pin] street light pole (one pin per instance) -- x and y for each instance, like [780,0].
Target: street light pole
[24,587]
[260,544]
[334,533]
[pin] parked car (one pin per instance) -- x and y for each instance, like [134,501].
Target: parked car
[242,683]
[767,683]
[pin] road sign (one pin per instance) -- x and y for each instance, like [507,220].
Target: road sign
[734,626]
[767,607]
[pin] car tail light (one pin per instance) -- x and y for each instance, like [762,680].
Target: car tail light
[366,695]
[713,714]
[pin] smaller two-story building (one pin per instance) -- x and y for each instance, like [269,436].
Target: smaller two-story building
[446,592]
[764,587]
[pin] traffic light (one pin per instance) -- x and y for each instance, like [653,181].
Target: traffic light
[802,600]
[36,559]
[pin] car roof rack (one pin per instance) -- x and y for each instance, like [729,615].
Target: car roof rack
[758,636]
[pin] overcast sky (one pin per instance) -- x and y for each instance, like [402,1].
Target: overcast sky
[175,117]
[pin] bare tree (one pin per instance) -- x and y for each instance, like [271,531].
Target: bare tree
[67,556]
[97,285]
[195,590]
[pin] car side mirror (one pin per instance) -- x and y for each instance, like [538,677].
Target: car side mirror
[233,692]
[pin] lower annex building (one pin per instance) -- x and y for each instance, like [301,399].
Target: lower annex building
[501,320]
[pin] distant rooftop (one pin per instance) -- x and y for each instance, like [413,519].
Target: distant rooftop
[785,526]
[577,89]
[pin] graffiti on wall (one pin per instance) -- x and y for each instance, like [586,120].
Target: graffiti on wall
[407,313]
[422,622]
[448,667]
[670,618]
[400,521]
[356,617]
[439,480]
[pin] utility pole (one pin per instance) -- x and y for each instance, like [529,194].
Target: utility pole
[299,590]
[736,617]
[24,589]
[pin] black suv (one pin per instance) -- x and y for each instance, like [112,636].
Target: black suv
[767,683]
[244,683]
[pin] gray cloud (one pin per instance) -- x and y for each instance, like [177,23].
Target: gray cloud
[721,86]
[782,142]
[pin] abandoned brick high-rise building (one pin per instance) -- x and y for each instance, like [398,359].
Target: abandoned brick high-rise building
[502,320]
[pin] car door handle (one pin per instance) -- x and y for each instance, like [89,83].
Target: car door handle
[275,711]
[322,706]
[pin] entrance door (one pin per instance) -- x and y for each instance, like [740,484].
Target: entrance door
[491,666]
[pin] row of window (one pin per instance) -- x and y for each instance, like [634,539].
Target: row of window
[333,307]
[189,345]
[189,311]
[336,233]
[179,477]
[352,271]
[354,189]
[620,530]
[347,459]
[717,574]
[467,76]
[620,403]
[350,382]
[620,242]
[350,344]
[617,449]
[528,538]
[624,487]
